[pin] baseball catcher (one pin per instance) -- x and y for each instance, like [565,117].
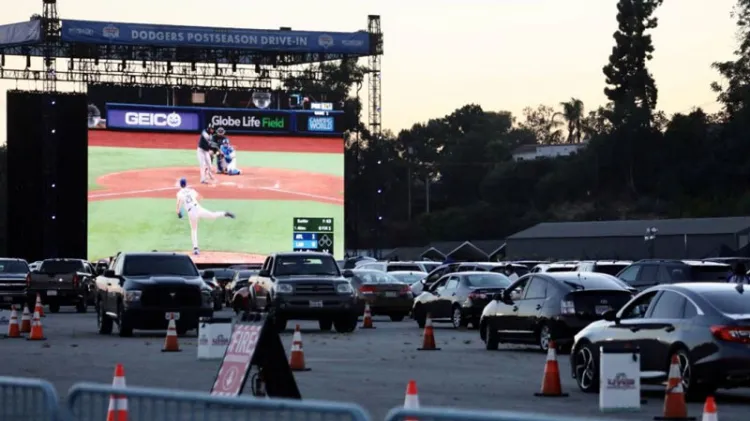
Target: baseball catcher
[229,158]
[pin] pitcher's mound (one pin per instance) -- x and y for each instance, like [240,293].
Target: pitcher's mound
[223,257]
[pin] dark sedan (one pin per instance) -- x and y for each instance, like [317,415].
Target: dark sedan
[386,295]
[459,298]
[550,305]
[706,325]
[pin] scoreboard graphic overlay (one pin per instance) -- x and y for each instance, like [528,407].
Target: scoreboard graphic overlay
[313,234]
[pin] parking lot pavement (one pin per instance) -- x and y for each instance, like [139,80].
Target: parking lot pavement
[368,367]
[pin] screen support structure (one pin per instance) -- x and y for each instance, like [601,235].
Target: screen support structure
[374,76]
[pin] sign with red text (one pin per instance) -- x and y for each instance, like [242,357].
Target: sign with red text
[237,360]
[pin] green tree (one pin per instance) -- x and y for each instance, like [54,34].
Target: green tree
[543,121]
[573,113]
[735,95]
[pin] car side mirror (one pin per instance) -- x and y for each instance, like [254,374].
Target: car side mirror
[498,296]
[264,273]
[109,273]
[208,274]
[610,316]
[347,273]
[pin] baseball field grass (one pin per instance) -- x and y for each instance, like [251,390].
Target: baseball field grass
[132,192]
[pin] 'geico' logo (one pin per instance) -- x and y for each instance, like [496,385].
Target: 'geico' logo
[153,119]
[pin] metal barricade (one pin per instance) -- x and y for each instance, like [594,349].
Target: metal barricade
[448,414]
[90,402]
[24,399]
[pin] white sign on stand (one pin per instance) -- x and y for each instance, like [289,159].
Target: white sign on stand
[213,338]
[619,379]
[4,319]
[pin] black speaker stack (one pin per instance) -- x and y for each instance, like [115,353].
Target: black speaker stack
[47,169]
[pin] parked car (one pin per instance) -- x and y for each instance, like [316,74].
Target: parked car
[305,286]
[555,267]
[408,277]
[512,270]
[62,282]
[142,288]
[398,266]
[705,324]
[223,276]
[217,292]
[240,280]
[647,273]
[458,298]
[35,265]
[386,295]
[610,267]
[540,307]
[530,264]
[13,276]
[433,276]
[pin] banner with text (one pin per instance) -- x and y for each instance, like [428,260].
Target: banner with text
[21,33]
[234,120]
[92,32]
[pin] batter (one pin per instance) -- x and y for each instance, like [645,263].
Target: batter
[204,153]
[187,198]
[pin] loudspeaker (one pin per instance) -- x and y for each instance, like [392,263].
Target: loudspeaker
[47,175]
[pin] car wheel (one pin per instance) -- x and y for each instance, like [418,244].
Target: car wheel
[325,325]
[103,322]
[585,369]
[544,337]
[345,324]
[491,339]
[458,319]
[397,317]
[694,390]
[54,307]
[124,328]
[420,317]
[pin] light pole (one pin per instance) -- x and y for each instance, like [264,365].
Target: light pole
[409,155]
[650,239]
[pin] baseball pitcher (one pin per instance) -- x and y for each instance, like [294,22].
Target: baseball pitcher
[187,198]
[229,158]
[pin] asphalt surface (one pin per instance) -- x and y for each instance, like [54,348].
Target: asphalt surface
[368,367]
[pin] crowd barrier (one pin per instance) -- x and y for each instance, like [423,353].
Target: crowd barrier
[36,400]
[27,400]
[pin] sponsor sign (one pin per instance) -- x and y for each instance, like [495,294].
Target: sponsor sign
[237,359]
[93,32]
[213,339]
[320,124]
[619,379]
[145,119]
[249,121]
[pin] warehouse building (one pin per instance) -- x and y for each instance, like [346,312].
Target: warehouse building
[673,238]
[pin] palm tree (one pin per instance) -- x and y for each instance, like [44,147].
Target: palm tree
[573,113]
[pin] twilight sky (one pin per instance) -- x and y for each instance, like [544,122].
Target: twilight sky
[441,54]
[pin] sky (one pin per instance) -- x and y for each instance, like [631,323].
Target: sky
[443,54]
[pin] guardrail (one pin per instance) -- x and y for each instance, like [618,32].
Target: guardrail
[448,414]
[24,399]
[90,402]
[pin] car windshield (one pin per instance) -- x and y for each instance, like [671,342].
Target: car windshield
[13,266]
[223,273]
[487,280]
[709,273]
[409,277]
[158,265]
[729,301]
[305,265]
[610,269]
[598,281]
[376,277]
[61,266]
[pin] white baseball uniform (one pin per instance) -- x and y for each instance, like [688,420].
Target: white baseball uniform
[187,198]
[204,157]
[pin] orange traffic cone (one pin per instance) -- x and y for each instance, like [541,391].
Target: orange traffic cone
[709,410]
[367,318]
[118,404]
[25,320]
[297,358]
[428,341]
[411,401]
[39,307]
[37,333]
[551,381]
[674,400]
[170,343]
[14,330]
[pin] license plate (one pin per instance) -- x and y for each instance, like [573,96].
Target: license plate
[602,309]
[391,294]
[168,316]
[316,304]
[51,293]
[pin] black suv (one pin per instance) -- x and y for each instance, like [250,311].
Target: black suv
[138,290]
[647,273]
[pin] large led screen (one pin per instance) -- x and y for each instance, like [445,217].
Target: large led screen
[134,178]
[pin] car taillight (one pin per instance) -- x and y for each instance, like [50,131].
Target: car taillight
[75,281]
[732,334]
[405,289]
[477,296]
[567,307]
[367,289]
[28,280]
